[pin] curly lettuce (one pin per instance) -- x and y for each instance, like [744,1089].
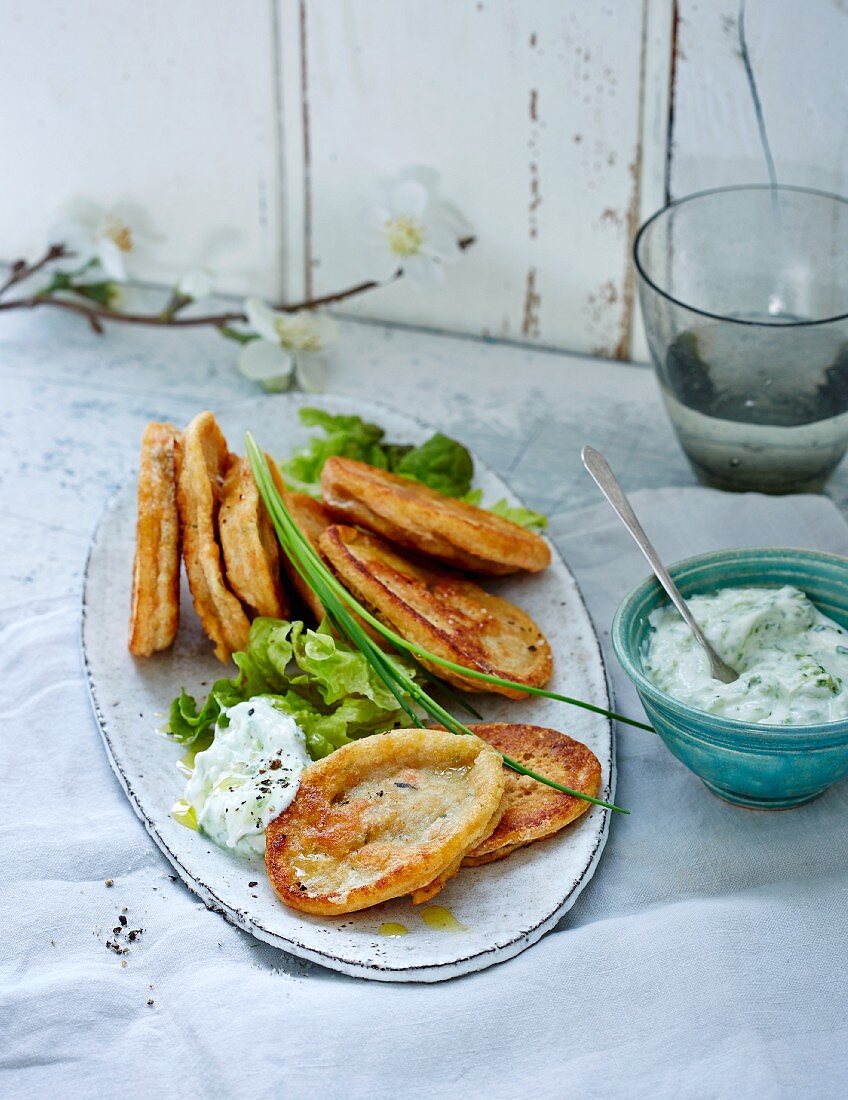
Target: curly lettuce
[524,517]
[330,689]
[440,462]
[349,436]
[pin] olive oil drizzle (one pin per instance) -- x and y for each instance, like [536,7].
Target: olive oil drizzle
[441,919]
[392,928]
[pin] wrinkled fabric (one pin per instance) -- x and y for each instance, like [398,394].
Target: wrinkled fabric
[706,958]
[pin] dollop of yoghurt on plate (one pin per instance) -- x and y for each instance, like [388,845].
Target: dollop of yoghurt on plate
[248,775]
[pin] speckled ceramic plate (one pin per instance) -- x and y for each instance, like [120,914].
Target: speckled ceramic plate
[501,908]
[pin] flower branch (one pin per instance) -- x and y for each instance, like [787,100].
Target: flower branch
[413,233]
[20,270]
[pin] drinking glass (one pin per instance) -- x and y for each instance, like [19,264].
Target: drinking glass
[744,293]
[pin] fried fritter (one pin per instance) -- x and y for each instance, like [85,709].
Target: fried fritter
[533,811]
[312,518]
[431,889]
[204,459]
[428,522]
[442,612]
[155,608]
[250,547]
[381,818]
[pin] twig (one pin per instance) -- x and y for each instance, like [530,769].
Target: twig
[22,270]
[96,314]
[360,288]
[99,313]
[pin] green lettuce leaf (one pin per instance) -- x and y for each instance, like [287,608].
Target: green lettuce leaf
[337,672]
[441,463]
[524,517]
[329,688]
[188,724]
[349,436]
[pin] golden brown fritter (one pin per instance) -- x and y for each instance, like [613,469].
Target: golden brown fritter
[204,459]
[250,547]
[533,811]
[381,818]
[432,888]
[155,608]
[427,522]
[444,613]
[312,518]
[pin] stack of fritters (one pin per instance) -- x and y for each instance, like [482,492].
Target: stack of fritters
[195,494]
[386,816]
[400,813]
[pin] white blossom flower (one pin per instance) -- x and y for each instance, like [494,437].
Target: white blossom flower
[196,284]
[107,237]
[413,230]
[289,344]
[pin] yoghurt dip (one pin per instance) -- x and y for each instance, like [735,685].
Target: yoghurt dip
[792,660]
[248,775]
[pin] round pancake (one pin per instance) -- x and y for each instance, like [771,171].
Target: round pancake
[381,818]
[155,609]
[425,893]
[249,544]
[533,811]
[446,614]
[203,462]
[428,522]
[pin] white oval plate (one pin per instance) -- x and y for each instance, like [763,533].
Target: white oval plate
[504,907]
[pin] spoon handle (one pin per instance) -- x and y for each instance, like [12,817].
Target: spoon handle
[607,482]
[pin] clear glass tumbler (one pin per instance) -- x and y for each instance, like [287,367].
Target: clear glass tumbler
[744,293]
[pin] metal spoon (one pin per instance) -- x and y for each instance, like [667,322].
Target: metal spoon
[599,468]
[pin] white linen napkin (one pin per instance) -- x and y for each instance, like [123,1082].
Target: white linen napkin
[706,958]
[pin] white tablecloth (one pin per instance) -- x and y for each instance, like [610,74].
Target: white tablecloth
[707,957]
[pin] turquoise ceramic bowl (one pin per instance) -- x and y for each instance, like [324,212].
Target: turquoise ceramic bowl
[759,766]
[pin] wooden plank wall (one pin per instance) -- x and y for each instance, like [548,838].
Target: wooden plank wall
[169,106]
[532,113]
[255,134]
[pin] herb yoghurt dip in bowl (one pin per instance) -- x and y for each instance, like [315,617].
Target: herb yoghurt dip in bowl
[778,736]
